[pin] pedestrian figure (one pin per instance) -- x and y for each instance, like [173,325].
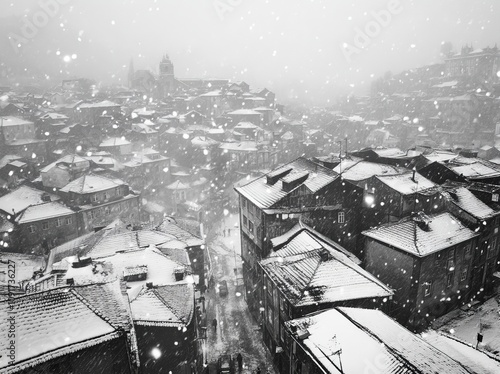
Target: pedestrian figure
[214,324]
[258,370]
[224,231]
[239,358]
[228,232]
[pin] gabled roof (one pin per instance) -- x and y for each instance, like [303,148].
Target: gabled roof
[366,338]
[169,305]
[21,198]
[406,184]
[129,240]
[68,159]
[309,271]
[438,232]
[91,183]
[43,211]
[468,202]
[479,169]
[112,142]
[101,104]
[85,316]
[266,195]
[360,170]
[169,226]
[14,121]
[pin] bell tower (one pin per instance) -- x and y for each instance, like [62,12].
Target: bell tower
[167,80]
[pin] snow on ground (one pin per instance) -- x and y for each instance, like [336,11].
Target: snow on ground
[484,318]
[236,331]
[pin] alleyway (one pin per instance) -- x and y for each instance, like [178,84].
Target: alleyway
[236,331]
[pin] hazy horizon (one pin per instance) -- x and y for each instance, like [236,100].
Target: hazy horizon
[289,46]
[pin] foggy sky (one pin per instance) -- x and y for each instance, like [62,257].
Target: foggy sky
[293,47]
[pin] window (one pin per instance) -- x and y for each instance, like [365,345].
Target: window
[93,198]
[427,288]
[467,250]
[243,202]
[449,279]
[341,217]
[105,196]
[250,226]
[45,225]
[59,222]
[492,247]
[463,274]
[245,221]
[107,210]
[31,228]
[450,265]
[117,191]
[494,197]
[69,220]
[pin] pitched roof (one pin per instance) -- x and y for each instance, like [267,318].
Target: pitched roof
[266,195]
[309,271]
[360,170]
[167,305]
[170,227]
[21,198]
[68,159]
[129,240]
[385,343]
[468,202]
[43,211]
[14,121]
[91,183]
[440,231]
[73,313]
[406,184]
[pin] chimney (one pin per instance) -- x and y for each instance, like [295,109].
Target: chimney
[70,281]
[149,285]
[413,176]
[179,274]
[325,254]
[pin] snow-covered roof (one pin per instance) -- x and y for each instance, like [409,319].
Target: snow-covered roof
[129,240]
[406,184]
[160,267]
[14,121]
[367,340]
[309,271]
[360,170]
[43,211]
[476,170]
[101,104]
[91,183]
[166,305]
[475,360]
[21,198]
[245,112]
[68,159]
[263,193]
[85,316]
[169,226]
[246,146]
[112,142]
[435,233]
[468,202]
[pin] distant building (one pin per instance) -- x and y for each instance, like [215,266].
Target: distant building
[482,64]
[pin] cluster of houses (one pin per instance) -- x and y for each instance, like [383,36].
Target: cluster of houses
[455,104]
[115,301]
[375,239]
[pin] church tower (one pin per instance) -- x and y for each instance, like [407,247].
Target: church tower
[167,80]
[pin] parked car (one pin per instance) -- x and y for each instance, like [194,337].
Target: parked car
[223,288]
[225,365]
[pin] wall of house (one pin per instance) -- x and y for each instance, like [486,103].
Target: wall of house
[394,268]
[175,345]
[127,209]
[47,233]
[448,273]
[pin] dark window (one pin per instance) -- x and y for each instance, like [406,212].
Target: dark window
[449,279]
[341,217]
[45,225]
[427,288]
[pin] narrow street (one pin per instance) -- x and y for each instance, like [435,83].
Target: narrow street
[237,332]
